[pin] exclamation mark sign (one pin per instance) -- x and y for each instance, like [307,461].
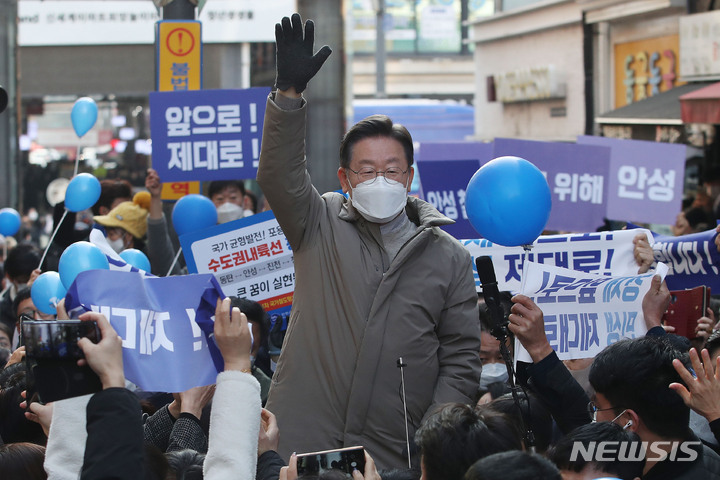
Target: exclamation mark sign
[253,117]
[197,333]
[180,50]
[254,142]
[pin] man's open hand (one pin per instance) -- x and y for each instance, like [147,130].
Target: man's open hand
[296,64]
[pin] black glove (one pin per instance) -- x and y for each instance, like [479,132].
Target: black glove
[296,64]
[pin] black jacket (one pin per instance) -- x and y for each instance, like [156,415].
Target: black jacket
[114,448]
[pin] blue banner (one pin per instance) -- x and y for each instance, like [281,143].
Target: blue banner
[693,260]
[207,134]
[165,324]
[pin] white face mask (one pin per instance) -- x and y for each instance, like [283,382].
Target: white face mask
[248,213]
[118,244]
[491,373]
[379,200]
[227,212]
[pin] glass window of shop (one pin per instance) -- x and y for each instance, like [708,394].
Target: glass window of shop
[418,26]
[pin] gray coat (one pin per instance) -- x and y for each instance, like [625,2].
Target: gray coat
[355,312]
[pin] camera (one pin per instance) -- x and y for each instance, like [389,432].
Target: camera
[343,460]
[52,352]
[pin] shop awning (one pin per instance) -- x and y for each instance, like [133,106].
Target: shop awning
[660,109]
[701,106]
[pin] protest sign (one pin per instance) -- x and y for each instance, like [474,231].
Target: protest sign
[445,169]
[577,177]
[249,257]
[646,179]
[602,253]
[584,312]
[164,323]
[207,134]
[692,259]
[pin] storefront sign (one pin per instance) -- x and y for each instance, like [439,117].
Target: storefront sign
[700,45]
[645,68]
[528,84]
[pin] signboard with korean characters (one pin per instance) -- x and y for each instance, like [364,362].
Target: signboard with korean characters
[249,257]
[646,179]
[445,169]
[577,177]
[207,134]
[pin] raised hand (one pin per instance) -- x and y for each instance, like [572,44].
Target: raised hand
[296,64]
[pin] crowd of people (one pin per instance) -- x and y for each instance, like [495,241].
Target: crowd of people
[388,347]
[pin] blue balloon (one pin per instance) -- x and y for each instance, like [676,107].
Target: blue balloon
[9,221]
[82,192]
[79,257]
[136,258]
[508,201]
[46,291]
[83,115]
[193,212]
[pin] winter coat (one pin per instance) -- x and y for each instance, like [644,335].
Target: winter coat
[355,312]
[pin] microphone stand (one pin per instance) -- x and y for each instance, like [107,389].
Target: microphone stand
[400,365]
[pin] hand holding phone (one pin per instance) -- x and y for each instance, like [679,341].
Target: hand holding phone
[343,460]
[105,356]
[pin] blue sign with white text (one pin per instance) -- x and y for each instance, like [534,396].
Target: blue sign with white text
[165,324]
[207,134]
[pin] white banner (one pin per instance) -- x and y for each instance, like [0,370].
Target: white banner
[132,22]
[584,312]
[602,253]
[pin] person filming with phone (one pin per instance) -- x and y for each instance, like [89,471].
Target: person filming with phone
[376,280]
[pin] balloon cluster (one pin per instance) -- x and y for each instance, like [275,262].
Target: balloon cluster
[51,287]
[508,201]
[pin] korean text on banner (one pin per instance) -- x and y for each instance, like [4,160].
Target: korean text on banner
[164,323]
[583,312]
[576,174]
[602,253]
[207,134]
[692,259]
[445,168]
[249,257]
[646,179]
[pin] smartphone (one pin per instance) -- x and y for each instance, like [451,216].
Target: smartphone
[686,306]
[52,352]
[343,460]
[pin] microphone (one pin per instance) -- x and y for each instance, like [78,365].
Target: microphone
[486,272]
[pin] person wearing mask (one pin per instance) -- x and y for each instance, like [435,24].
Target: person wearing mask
[126,224]
[229,198]
[376,280]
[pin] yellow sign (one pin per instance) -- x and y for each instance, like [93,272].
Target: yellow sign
[178,67]
[179,55]
[646,68]
[177,190]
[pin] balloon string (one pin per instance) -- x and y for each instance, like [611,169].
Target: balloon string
[77,161]
[177,255]
[57,227]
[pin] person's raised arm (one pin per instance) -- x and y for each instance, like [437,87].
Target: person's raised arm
[282,172]
[654,305]
[549,377]
[235,416]
[114,447]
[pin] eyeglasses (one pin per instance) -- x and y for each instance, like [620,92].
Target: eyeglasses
[593,409]
[369,174]
[29,315]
